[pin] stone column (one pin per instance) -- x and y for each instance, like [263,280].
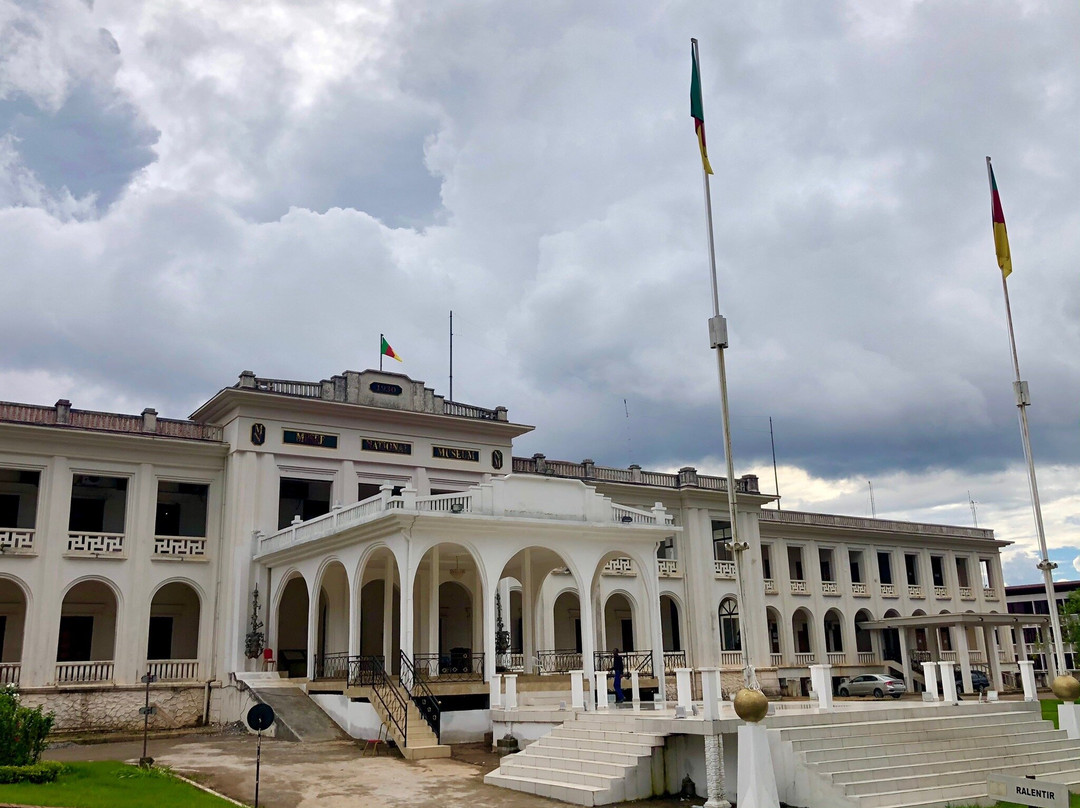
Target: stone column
[714,772]
[487,599]
[588,629]
[930,675]
[635,690]
[530,593]
[1027,676]
[905,660]
[432,617]
[511,700]
[964,656]
[495,701]
[388,614]
[683,688]
[601,690]
[312,626]
[577,690]
[996,682]
[948,681]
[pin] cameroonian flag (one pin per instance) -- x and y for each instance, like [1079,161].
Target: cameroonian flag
[1001,238]
[386,350]
[697,111]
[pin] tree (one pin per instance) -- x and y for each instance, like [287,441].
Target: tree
[1070,620]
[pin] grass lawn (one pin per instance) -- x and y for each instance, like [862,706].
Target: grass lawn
[108,784]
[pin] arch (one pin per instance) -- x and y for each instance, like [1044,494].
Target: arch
[774,621]
[670,624]
[864,640]
[620,609]
[832,624]
[455,626]
[566,620]
[447,613]
[89,626]
[173,624]
[730,630]
[332,639]
[802,622]
[292,625]
[515,619]
[14,607]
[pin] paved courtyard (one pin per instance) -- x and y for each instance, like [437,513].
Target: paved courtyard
[327,775]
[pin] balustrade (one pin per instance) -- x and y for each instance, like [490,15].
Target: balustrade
[96,544]
[17,540]
[868,658]
[805,659]
[990,593]
[948,656]
[860,590]
[179,547]
[977,657]
[888,590]
[725,570]
[174,670]
[668,568]
[942,592]
[731,659]
[81,672]
[966,593]
[836,658]
[776,660]
[9,673]
[619,566]
[830,588]
[770,586]
[799,588]
[914,591]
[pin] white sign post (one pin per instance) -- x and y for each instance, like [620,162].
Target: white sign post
[1036,793]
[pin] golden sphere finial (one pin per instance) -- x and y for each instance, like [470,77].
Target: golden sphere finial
[752,705]
[1066,688]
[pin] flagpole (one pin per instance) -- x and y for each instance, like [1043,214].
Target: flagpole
[381,338]
[451,354]
[1023,401]
[719,341]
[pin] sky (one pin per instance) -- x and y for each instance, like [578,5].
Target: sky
[192,188]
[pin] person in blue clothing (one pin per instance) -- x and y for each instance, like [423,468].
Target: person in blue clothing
[617,667]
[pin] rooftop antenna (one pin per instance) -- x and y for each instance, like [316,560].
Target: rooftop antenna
[629,448]
[776,480]
[873,505]
[451,354]
[974,515]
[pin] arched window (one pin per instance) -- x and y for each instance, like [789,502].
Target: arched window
[730,635]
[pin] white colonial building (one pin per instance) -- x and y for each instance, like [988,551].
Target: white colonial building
[389,532]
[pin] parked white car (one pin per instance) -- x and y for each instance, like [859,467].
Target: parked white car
[877,685]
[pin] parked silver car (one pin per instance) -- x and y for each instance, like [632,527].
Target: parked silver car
[877,685]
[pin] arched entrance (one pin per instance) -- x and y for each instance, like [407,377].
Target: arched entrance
[864,639]
[12,629]
[566,620]
[776,648]
[292,628]
[449,642]
[332,626]
[380,610]
[671,631]
[618,623]
[801,622]
[834,636]
[172,644]
[86,645]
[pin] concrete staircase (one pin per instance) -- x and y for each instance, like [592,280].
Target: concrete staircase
[597,759]
[421,742]
[922,758]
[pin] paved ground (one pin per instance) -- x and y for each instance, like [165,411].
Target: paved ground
[328,775]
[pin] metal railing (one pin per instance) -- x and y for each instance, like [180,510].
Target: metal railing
[421,696]
[673,660]
[393,703]
[558,661]
[332,666]
[364,670]
[452,667]
[640,661]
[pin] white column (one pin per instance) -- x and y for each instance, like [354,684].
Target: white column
[989,643]
[965,658]
[577,690]
[905,660]
[601,690]
[821,681]
[432,616]
[756,780]
[635,690]
[948,681]
[588,629]
[312,626]
[529,595]
[930,675]
[510,702]
[683,688]
[405,611]
[347,489]
[1027,676]
[388,614]
[710,693]
[495,685]
[487,601]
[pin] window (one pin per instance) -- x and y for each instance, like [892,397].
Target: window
[794,560]
[826,565]
[76,636]
[911,567]
[855,564]
[730,636]
[304,498]
[18,498]
[98,504]
[884,563]
[986,567]
[937,570]
[181,509]
[666,548]
[962,572]
[721,535]
[766,562]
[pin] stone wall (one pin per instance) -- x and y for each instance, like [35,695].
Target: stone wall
[117,708]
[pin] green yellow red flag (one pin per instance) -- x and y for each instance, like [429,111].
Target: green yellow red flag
[386,350]
[697,110]
[1001,237]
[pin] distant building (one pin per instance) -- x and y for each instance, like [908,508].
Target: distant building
[1031,599]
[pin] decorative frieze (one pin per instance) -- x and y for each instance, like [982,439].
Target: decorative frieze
[17,540]
[860,590]
[96,544]
[179,547]
[799,588]
[725,570]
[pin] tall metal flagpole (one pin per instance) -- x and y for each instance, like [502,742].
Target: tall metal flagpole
[381,338]
[1023,401]
[719,341]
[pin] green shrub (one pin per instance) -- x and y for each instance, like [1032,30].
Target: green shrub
[23,732]
[44,772]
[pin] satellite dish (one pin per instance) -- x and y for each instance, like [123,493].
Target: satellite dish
[260,717]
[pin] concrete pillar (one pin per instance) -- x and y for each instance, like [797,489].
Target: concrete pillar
[821,682]
[964,655]
[635,690]
[601,690]
[948,682]
[486,597]
[714,772]
[312,626]
[683,688]
[405,611]
[1027,677]
[710,693]
[577,690]
[431,619]
[530,594]
[996,682]
[510,702]
[346,488]
[930,674]
[905,660]
[495,684]
[702,620]
[588,628]
[388,614]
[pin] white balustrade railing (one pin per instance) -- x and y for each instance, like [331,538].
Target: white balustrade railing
[174,670]
[724,569]
[731,659]
[1002,656]
[777,660]
[914,591]
[941,592]
[805,659]
[95,544]
[860,590]
[978,657]
[179,546]
[888,590]
[619,566]
[948,656]
[17,540]
[9,673]
[770,586]
[799,588]
[830,588]
[668,568]
[836,657]
[990,593]
[445,503]
[637,516]
[966,593]
[79,672]
[868,658]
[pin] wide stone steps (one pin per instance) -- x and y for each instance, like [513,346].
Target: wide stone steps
[593,760]
[854,766]
[964,774]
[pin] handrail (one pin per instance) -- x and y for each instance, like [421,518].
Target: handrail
[464,666]
[421,696]
[561,660]
[397,709]
[640,661]
[363,670]
[332,666]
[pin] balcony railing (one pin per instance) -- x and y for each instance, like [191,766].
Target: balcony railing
[776,660]
[17,540]
[966,593]
[918,655]
[332,666]
[942,592]
[673,660]
[640,661]
[9,673]
[731,659]
[799,588]
[558,661]
[180,547]
[888,591]
[860,590]
[836,657]
[96,545]
[830,588]
[83,672]
[770,586]
[868,658]
[724,570]
[805,659]
[452,667]
[977,657]
[915,591]
[948,656]
[619,566]
[990,593]
[668,568]
[174,670]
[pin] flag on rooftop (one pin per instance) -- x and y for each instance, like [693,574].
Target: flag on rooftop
[386,350]
[697,111]
[1001,238]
